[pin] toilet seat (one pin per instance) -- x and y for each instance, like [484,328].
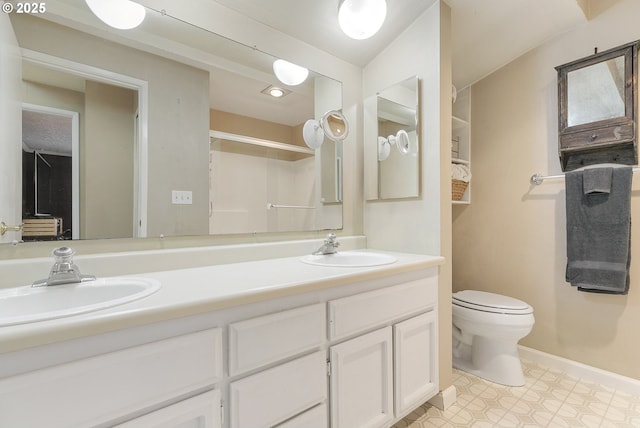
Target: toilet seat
[490,302]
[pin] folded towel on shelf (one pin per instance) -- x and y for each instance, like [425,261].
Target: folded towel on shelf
[599,230]
[597,180]
[460,172]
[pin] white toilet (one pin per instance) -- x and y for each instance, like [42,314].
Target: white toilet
[486,331]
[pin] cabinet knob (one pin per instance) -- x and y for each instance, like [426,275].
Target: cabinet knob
[594,136]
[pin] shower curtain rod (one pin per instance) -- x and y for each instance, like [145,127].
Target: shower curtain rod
[537,178]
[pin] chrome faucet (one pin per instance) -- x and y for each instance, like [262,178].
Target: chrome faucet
[63,270]
[330,246]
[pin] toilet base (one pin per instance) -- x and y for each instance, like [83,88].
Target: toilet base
[495,361]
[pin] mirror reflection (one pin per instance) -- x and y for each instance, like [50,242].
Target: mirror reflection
[596,92]
[398,144]
[126,114]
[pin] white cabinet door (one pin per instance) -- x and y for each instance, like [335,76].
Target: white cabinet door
[361,381]
[201,411]
[415,358]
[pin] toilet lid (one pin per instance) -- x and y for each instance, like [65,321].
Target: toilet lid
[490,302]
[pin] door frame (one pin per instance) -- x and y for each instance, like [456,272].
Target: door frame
[141,164]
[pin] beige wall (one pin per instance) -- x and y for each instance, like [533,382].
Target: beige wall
[511,239]
[421,225]
[106,153]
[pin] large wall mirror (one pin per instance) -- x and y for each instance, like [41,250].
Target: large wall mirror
[164,130]
[596,106]
[398,142]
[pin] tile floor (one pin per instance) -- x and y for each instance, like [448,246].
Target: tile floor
[550,399]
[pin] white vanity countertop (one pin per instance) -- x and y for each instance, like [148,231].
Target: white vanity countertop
[193,291]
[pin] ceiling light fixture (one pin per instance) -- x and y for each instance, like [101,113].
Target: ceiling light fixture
[275,91]
[361,19]
[289,73]
[120,14]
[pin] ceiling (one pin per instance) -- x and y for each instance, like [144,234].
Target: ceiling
[486,34]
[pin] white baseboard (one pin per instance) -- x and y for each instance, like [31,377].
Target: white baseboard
[582,371]
[444,398]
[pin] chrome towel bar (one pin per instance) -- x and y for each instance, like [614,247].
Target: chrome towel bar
[300,207]
[537,178]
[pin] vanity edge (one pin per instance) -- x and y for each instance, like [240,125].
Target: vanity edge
[262,280]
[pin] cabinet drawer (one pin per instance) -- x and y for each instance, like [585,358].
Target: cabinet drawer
[274,395]
[202,411]
[100,389]
[354,314]
[314,418]
[591,138]
[263,340]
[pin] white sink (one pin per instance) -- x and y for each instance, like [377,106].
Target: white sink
[349,259]
[27,304]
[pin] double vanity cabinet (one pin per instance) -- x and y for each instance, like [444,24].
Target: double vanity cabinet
[343,350]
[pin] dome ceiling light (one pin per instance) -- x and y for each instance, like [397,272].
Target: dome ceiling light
[361,19]
[289,73]
[120,14]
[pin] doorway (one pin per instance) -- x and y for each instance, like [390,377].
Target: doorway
[50,173]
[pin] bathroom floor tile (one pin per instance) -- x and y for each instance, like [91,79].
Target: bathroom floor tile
[549,399]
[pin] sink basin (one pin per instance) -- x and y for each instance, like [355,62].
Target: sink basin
[349,259]
[27,304]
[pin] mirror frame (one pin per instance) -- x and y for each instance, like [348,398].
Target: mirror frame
[603,141]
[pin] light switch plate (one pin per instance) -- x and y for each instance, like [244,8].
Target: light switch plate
[181,197]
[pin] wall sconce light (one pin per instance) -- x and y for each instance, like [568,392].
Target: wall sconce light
[333,125]
[289,73]
[361,19]
[400,140]
[120,14]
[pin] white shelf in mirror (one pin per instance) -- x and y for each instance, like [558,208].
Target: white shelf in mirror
[457,122]
[220,135]
[458,160]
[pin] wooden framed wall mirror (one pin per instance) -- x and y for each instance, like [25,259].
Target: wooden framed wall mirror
[597,109]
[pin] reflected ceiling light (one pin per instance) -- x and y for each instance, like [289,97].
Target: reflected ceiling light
[361,19]
[333,125]
[289,73]
[120,14]
[275,91]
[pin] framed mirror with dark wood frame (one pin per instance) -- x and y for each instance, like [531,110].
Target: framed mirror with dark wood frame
[596,109]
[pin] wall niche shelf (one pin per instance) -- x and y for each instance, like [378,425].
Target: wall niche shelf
[461,136]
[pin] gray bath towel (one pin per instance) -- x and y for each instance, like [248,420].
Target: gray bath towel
[597,180]
[599,230]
